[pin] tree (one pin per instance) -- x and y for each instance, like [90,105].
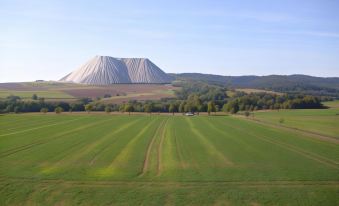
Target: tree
[182,107]
[58,110]
[13,99]
[17,109]
[172,108]
[34,97]
[148,108]
[88,107]
[129,108]
[232,106]
[200,108]
[211,107]
[44,110]
[41,100]
[122,108]
[247,113]
[192,103]
[108,109]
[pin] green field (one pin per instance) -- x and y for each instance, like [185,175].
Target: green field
[85,159]
[319,121]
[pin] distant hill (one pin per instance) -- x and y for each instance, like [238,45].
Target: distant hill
[279,83]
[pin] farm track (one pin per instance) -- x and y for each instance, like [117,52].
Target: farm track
[296,130]
[149,149]
[98,183]
[292,148]
[123,153]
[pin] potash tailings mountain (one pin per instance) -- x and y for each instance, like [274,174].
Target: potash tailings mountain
[104,70]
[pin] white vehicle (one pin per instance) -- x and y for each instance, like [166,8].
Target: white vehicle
[189,114]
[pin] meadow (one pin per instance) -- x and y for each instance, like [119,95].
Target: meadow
[319,121]
[87,159]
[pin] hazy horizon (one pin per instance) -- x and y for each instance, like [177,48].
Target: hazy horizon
[48,40]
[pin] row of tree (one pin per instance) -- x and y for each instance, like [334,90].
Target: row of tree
[193,103]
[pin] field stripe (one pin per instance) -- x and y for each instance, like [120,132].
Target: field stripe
[123,154]
[35,128]
[292,148]
[47,140]
[23,123]
[73,155]
[211,149]
[304,151]
[178,149]
[121,129]
[296,130]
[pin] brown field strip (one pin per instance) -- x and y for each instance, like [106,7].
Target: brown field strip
[98,183]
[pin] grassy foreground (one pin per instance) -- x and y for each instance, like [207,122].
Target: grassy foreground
[161,160]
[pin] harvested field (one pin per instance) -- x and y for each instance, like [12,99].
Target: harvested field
[70,92]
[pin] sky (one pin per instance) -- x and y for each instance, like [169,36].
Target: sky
[48,39]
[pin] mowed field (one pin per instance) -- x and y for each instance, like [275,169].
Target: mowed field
[319,121]
[105,159]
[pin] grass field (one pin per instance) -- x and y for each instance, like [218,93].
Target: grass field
[320,121]
[161,160]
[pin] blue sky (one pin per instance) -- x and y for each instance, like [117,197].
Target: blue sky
[48,39]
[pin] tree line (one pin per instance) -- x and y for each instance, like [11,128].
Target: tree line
[194,98]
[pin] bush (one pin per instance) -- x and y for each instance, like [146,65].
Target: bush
[58,110]
[34,97]
[44,110]
[108,109]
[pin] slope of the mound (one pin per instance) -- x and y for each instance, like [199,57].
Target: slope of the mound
[142,70]
[100,70]
[103,70]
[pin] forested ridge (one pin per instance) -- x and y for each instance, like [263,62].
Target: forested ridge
[297,84]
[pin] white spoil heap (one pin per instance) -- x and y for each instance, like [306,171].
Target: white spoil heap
[103,70]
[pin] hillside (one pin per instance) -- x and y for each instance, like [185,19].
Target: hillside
[279,83]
